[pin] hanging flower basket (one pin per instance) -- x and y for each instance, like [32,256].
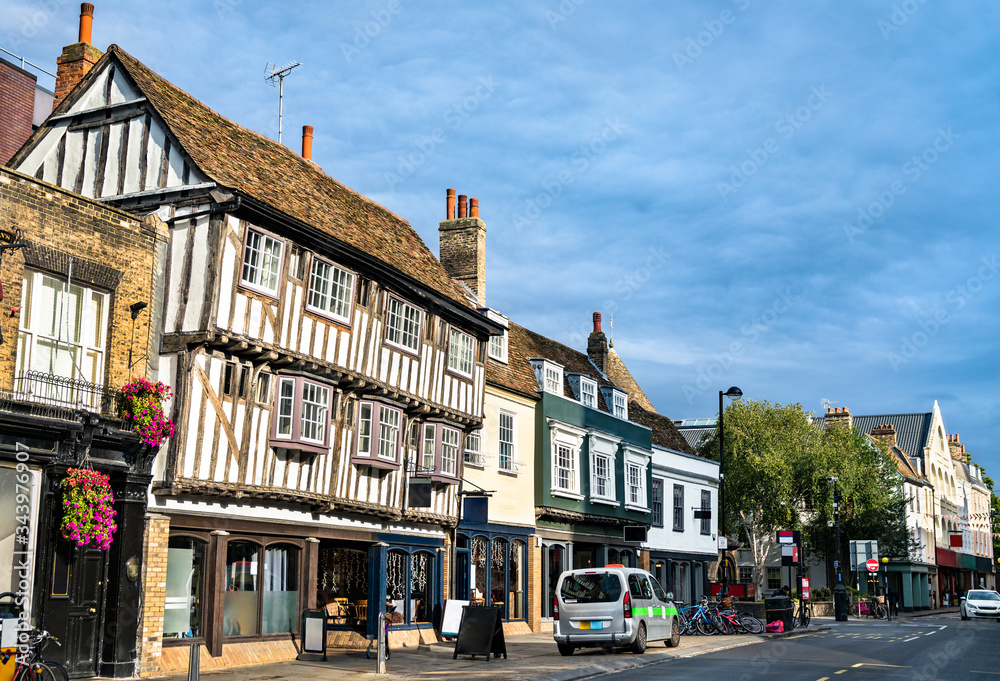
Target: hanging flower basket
[142,404]
[88,508]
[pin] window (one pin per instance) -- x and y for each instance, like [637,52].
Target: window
[621,405]
[657,494]
[549,375]
[63,332]
[565,465]
[588,392]
[507,447]
[474,448]
[302,414]
[261,589]
[378,435]
[461,347]
[498,347]
[602,480]
[636,486]
[706,505]
[263,387]
[331,290]
[679,508]
[439,452]
[402,325]
[261,262]
[553,380]
[185,597]
[746,575]
[773,578]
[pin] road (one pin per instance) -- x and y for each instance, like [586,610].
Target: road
[915,649]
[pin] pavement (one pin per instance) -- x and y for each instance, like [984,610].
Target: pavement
[529,657]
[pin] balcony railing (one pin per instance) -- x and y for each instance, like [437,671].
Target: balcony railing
[60,397]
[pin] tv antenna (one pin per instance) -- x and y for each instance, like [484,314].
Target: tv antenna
[272,73]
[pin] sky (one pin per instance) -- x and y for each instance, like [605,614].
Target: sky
[794,198]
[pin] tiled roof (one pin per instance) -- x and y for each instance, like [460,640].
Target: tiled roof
[269,172]
[905,466]
[911,429]
[665,433]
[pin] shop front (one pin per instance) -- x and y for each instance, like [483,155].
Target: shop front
[685,574]
[491,569]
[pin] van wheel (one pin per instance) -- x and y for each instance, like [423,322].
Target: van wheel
[639,644]
[675,635]
[565,649]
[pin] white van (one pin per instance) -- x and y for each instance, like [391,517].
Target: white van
[613,607]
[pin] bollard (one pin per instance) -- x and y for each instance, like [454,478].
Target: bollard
[381,641]
[194,662]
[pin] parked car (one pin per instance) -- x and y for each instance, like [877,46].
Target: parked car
[614,607]
[980,604]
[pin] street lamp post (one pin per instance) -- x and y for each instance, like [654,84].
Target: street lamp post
[839,591]
[888,602]
[733,393]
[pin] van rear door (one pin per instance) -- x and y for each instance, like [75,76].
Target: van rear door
[590,602]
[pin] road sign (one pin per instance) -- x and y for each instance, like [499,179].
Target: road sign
[872,565]
[805,588]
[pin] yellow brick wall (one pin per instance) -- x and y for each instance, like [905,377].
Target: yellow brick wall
[154,592]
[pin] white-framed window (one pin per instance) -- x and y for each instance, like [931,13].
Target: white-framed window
[261,262]
[378,435]
[301,414]
[63,331]
[565,469]
[474,448]
[449,451]
[621,405]
[498,348]
[507,442]
[553,380]
[429,448]
[636,485]
[602,477]
[331,290]
[402,324]
[588,392]
[461,351]
[439,452]
[603,448]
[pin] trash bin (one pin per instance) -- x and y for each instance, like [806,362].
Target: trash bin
[779,608]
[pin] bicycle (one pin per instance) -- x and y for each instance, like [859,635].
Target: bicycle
[870,607]
[34,668]
[802,615]
[370,651]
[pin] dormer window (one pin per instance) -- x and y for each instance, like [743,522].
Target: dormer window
[549,375]
[617,401]
[498,348]
[588,392]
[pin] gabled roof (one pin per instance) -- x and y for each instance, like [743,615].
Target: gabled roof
[517,376]
[905,466]
[694,434]
[268,172]
[911,429]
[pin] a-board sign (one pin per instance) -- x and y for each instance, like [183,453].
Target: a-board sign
[314,632]
[480,633]
[451,619]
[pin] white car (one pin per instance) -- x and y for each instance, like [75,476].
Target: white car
[981,604]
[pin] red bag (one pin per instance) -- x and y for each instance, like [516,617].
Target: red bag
[776,627]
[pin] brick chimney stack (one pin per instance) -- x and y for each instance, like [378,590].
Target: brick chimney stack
[885,433]
[462,243]
[597,345]
[957,449]
[77,59]
[840,416]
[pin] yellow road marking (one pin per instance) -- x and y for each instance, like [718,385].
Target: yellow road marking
[823,678]
[842,671]
[876,664]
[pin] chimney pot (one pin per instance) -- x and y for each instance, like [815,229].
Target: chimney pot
[829,410]
[462,203]
[473,208]
[307,142]
[86,22]
[597,322]
[450,205]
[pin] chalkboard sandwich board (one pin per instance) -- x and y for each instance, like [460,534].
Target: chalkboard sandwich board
[480,633]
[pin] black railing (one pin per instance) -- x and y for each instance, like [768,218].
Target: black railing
[60,397]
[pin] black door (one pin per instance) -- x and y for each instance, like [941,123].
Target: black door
[72,607]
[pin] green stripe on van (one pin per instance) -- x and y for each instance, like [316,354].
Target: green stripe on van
[653,612]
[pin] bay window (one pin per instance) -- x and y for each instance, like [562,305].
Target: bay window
[379,428]
[301,414]
[439,452]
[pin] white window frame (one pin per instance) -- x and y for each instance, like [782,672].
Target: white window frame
[604,446]
[90,351]
[620,408]
[400,312]
[301,405]
[641,460]
[428,448]
[439,448]
[498,347]
[461,352]
[473,453]
[258,241]
[507,448]
[635,480]
[336,300]
[602,476]
[450,440]
[588,392]
[375,421]
[563,435]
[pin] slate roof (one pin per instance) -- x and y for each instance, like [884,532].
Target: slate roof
[693,434]
[911,429]
[241,159]
[517,376]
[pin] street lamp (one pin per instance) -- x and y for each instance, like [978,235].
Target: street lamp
[839,591]
[733,393]
[135,309]
[888,602]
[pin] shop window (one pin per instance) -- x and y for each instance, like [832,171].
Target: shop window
[239,616]
[280,595]
[409,585]
[342,579]
[516,575]
[301,414]
[378,435]
[261,263]
[261,589]
[184,605]
[498,576]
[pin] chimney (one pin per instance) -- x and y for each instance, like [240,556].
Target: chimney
[957,449]
[885,433]
[597,345]
[77,59]
[841,416]
[307,142]
[462,242]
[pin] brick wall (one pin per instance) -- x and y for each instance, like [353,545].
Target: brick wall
[154,593]
[463,253]
[110,250]
[535,587]
[17,104]
[74,63]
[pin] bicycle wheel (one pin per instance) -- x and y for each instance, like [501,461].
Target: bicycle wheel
[41,671]
[751,623]
[880,612]
[704,626]
[806,614]
[721,623]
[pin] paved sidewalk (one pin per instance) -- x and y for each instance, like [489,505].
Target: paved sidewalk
[532,656]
